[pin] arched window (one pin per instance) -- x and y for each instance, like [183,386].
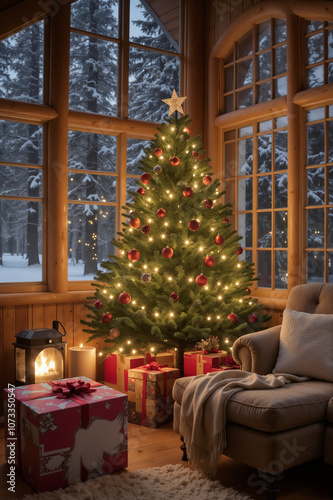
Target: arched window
[272,138]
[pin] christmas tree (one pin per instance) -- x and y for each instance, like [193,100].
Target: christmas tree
[178,276]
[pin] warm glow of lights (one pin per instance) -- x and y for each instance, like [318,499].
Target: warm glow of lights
[44,366]
[128,342]
[218,317]
[208,318]
[200,249]
[223,257]
[130,264]
[156,269]
[206,288]
[219,283]
[143,307]
[240,300]
[170,278]
[104,291]
[111,297]
[162,236]
[171,315]
[134,302]
[237,283]
[226,341]
[150,238]
[163,137]
[193,146]
[226,287]
[100,354]
[250,303]
[166,223]
[172,129]
[81,345]
[156,315]
[190,280]
[148,199]
[122,252]
[220,297]
[238,265]
[149,220]
[145,266]
[187,242]
[212,229]
[133,351]
[152,349]
[121,349]
[170,195]
[118,285]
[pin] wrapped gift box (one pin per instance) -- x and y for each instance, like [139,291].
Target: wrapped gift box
[150,401]
[63,441]
[116,368]
[163,358]
[197,362]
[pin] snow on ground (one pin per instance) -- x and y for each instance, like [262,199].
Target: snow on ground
[15,269]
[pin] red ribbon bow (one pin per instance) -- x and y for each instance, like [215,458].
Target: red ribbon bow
[209,351]
[67,389]
[153,366]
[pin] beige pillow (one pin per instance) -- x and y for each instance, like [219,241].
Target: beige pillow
[306,345]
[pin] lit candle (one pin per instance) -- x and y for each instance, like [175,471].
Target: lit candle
[82,361]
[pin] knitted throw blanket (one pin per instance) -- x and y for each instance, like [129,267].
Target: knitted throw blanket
[204,408]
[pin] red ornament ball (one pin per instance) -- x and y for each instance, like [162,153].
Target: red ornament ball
[253,318]
[174,296]
[158,151]
[233,318]
[145,277]
[161,213]
[219,240]
[133,255]
[248,291]
[167,252]
[188,192]
[174,161]
[225,220]
[141,191]
[208,203]
[207,180]
[239,251]
[209,261]
[114,333]
[145,178]
[201,280]
[187,130]
[124,298]
[195,155]
[134,223]
[193,225]
[145,229]
[106,317]
[98,304]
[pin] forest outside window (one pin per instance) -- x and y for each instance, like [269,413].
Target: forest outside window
[123,61]
[255,168]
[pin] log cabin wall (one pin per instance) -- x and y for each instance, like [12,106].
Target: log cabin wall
[38,308]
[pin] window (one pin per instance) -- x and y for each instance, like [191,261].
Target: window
[278,174]
[319,205]
[256,67]
[123,62]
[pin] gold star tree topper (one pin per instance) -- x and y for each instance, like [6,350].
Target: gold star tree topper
[175,103]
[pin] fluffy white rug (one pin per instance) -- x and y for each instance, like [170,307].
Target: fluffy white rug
[171,482]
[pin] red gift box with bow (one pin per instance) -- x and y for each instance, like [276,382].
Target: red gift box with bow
[67,431]
[150,401]
[201,362]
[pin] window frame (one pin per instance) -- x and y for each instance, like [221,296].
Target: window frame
[57,118]
[294,105]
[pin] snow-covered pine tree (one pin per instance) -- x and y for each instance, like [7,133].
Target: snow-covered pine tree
[178,276]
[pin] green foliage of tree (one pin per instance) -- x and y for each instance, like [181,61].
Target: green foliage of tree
[167,308]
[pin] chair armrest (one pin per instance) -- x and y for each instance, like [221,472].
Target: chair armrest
[257,352]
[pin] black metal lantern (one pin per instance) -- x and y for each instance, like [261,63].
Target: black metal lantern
[40,355]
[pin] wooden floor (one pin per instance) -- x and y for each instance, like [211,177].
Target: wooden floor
[158,447]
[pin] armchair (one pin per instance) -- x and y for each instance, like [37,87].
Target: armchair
[274,430]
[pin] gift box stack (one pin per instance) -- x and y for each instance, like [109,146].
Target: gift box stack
[116,366]
[201,362]
[68,431]
[150,401]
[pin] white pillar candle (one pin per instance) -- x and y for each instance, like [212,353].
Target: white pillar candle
[82,362]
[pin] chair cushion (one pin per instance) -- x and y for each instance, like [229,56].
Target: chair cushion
[274,410]
[306,345]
